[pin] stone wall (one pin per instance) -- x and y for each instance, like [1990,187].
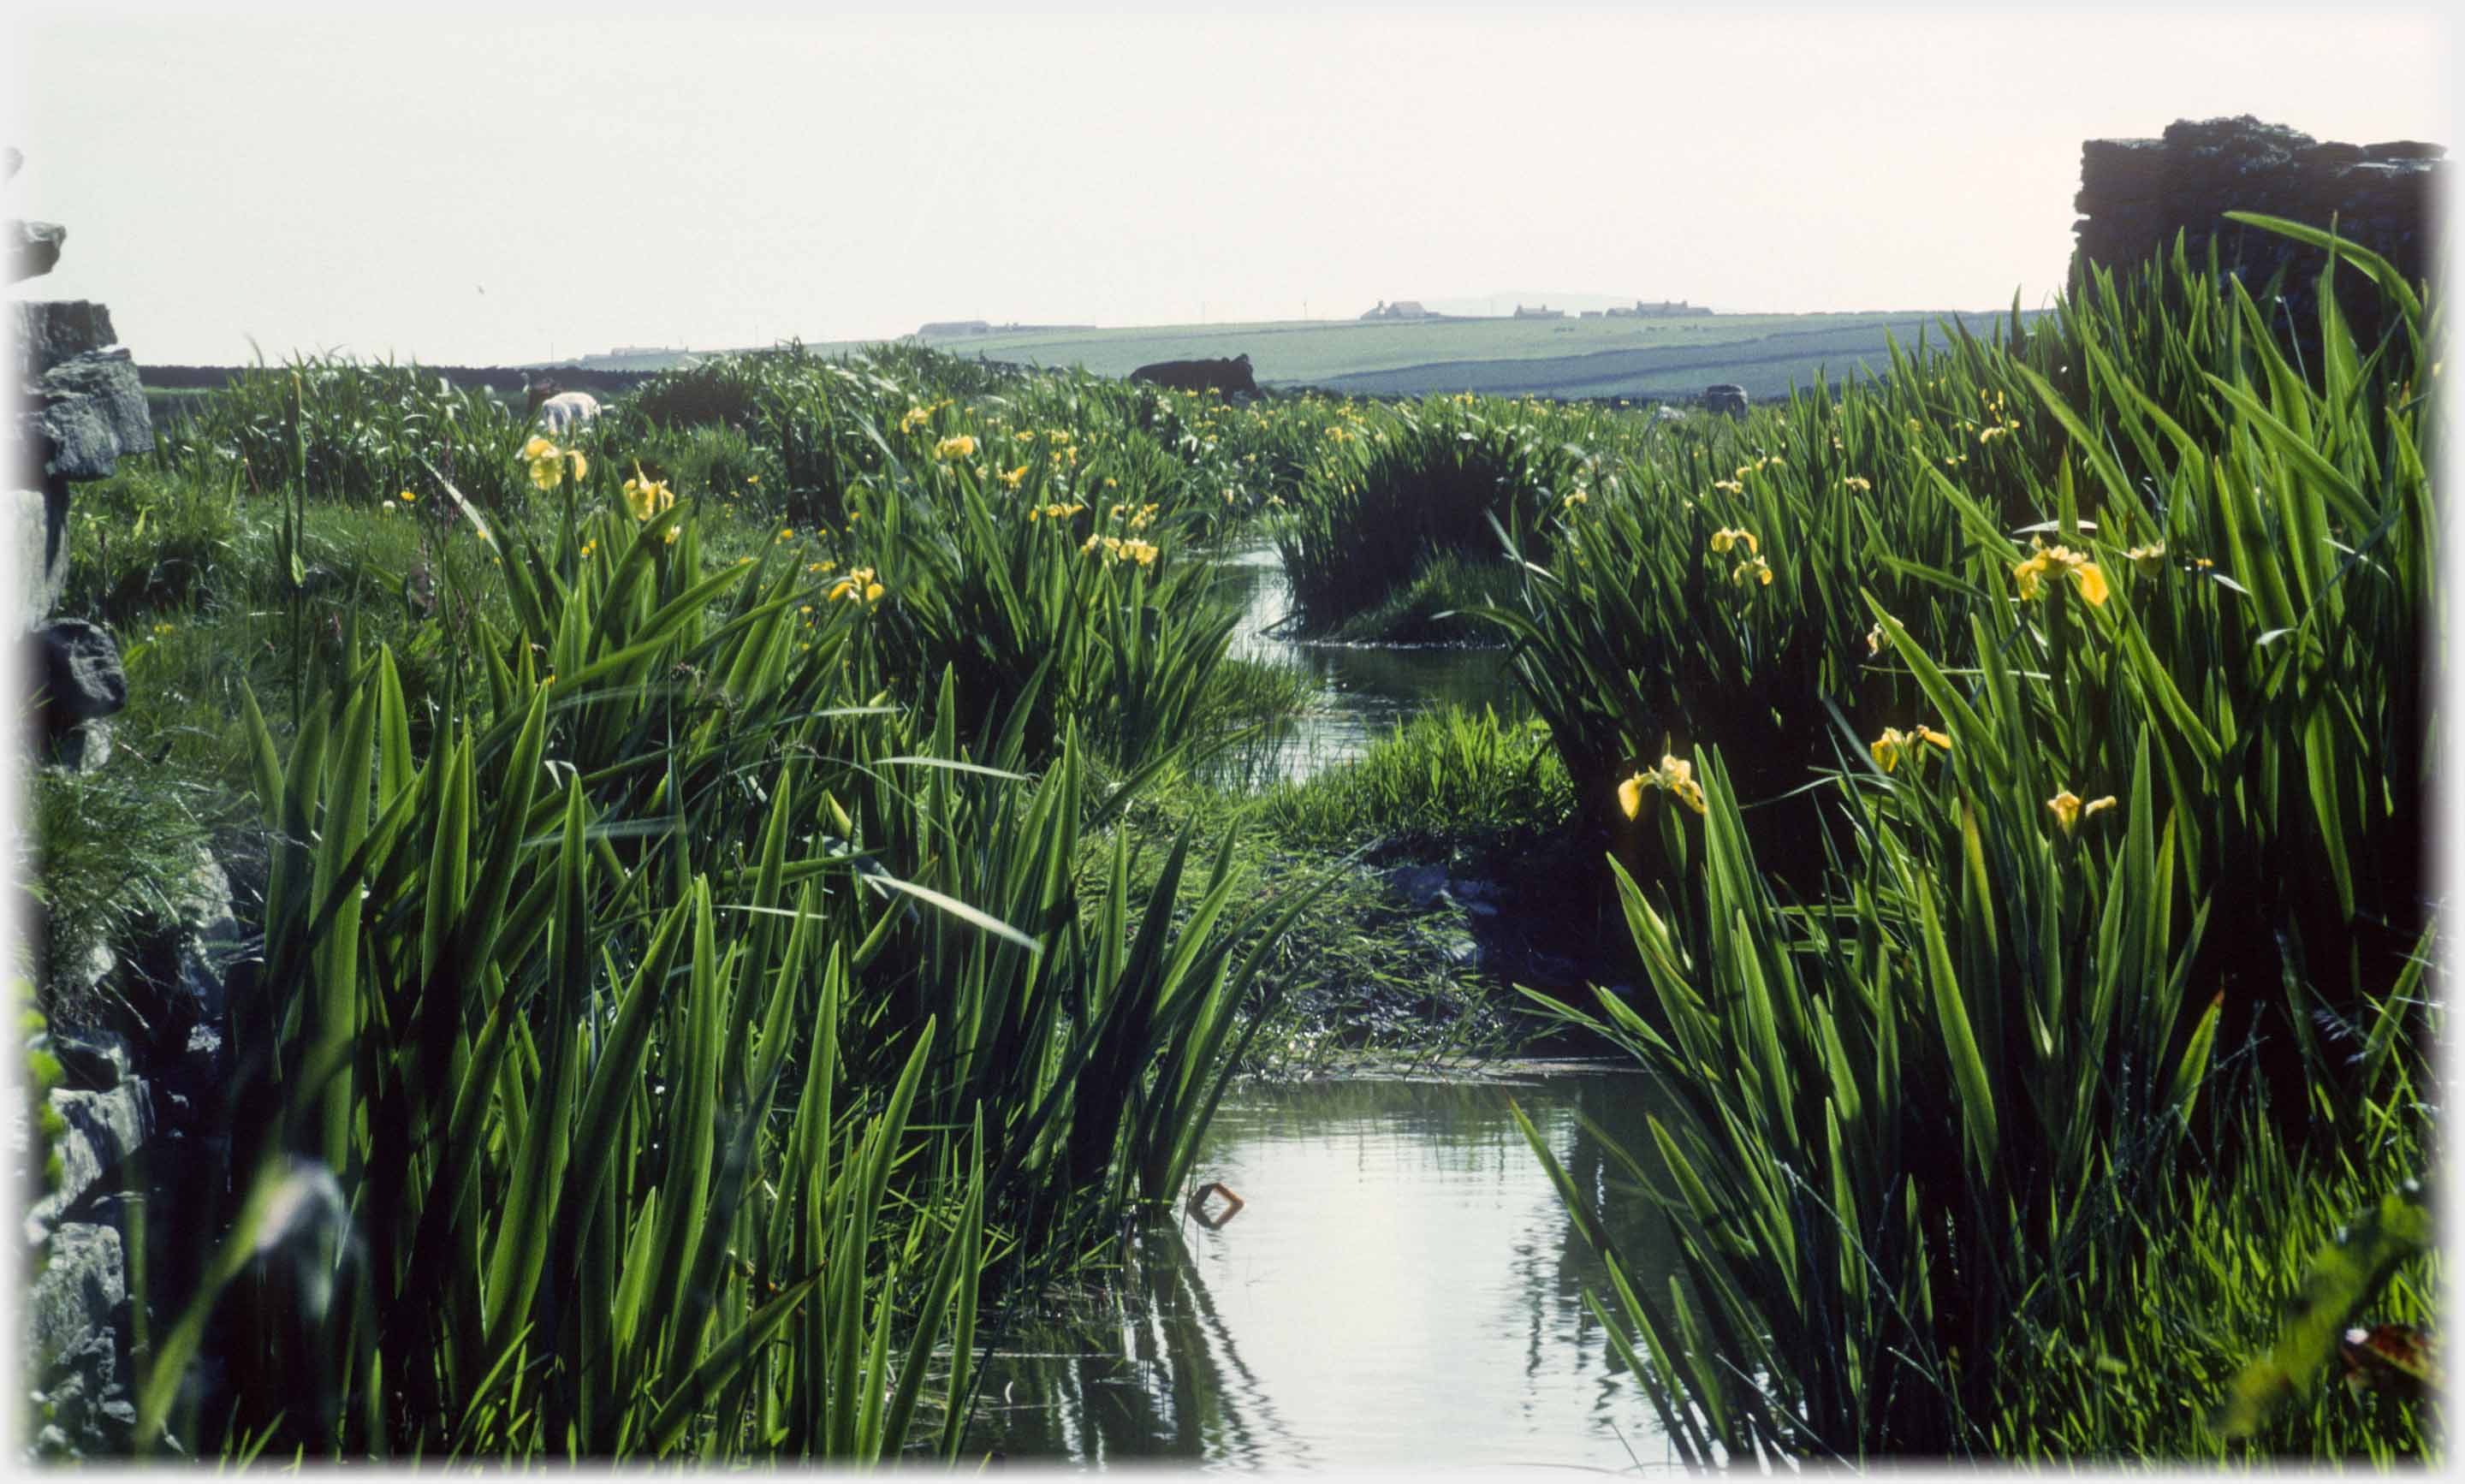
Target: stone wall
[2136,195]
[130,1083]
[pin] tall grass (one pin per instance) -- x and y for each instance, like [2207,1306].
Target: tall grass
[342,430]
[1393,486]
[671,1014]
[1946,1076]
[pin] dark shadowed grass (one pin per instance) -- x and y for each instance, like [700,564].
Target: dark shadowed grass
[1428,608]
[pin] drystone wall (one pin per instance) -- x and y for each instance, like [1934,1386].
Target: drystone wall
[2137,194]
[131,1058]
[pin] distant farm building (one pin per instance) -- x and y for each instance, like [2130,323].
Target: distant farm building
[1401,309]
[1665,309]
[1545,312]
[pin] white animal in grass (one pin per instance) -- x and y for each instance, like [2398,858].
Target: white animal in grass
[560,412]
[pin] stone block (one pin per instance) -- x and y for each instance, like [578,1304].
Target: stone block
[51,331]
[39,527]
[103,1128]
[78,665]
[33,247]
[93,410]
[2330,153]
[84,1279]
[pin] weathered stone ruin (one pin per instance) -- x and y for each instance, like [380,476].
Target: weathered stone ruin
[2137,194]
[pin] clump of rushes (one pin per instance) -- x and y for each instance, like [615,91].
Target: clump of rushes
[1389,487]
[2134,800]
[1444,776]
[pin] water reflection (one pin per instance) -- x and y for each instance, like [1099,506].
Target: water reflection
[1402,1288]
[1362,691]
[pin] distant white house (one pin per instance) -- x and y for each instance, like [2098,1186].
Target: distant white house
[1544,312]
[1401,309]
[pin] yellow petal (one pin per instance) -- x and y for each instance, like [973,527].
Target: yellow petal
[2066,806]
[2092,583]
[2028,574]
[1631,796]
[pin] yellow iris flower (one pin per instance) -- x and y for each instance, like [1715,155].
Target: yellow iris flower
[1674,774]
[2069,810]
[1894,744]
[646,497]
[2045,561]
[548,462]
[856,586]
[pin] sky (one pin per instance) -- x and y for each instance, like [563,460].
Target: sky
[498,186]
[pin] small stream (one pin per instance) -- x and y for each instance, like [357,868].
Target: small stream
[1402,1288]
[1362,692]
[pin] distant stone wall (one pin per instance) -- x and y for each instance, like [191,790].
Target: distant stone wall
[508,380]
[2136,195]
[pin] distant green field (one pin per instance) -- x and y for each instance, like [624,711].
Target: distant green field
[1563,357]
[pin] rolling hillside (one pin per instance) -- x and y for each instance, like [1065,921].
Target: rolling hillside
[1564,358]
[1555,357]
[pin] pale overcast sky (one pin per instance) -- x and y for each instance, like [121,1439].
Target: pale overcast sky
[466,188]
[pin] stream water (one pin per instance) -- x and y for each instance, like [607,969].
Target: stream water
[1359,692]
[1402,1288]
